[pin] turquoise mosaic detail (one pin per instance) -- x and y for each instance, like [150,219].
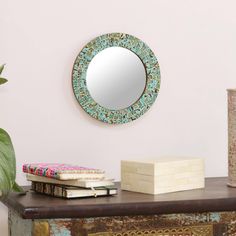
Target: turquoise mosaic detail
[152,84]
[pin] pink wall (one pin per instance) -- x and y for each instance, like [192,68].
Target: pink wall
[194,42]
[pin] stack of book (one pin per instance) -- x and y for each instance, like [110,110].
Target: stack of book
[68,181]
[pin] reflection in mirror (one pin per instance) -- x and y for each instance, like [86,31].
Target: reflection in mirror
[116,78]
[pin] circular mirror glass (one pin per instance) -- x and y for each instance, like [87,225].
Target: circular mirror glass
[116,78]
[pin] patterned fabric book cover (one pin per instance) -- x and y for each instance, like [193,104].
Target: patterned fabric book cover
[63,171]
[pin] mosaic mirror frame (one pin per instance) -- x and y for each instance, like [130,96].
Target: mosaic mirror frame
[151,66]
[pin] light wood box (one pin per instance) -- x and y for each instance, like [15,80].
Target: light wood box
[163,175]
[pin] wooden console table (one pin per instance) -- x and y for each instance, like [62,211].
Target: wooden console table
[203,212]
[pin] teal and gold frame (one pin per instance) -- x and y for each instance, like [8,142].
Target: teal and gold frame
[152,78]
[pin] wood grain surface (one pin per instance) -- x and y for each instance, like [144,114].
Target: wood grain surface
[216,196]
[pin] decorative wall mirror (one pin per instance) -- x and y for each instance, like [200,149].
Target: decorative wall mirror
[116,78]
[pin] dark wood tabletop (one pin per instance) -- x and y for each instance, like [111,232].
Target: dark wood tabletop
[216,196]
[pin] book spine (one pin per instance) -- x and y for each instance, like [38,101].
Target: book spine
[48,189]
[40,171]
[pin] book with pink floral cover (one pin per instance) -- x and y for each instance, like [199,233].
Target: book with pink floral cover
[63,171]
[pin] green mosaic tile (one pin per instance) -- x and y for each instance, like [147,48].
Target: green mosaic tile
[152,84]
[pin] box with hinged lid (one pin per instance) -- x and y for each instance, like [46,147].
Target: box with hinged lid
[163,175]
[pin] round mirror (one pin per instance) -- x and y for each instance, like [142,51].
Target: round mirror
[116,78]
